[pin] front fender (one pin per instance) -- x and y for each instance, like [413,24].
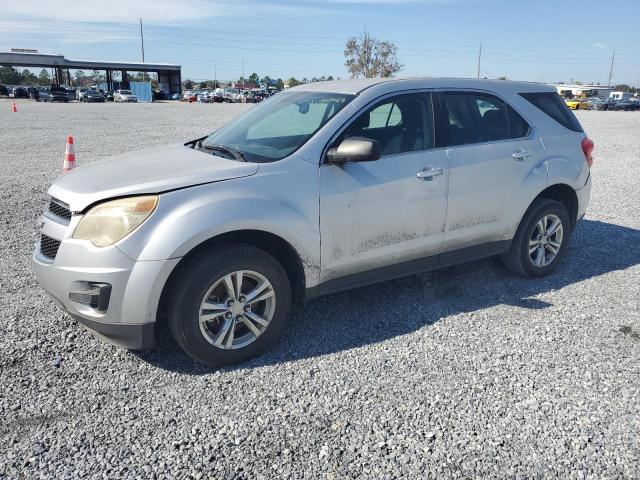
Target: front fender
[186,218]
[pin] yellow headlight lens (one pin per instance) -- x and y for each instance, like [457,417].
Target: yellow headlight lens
[109,222]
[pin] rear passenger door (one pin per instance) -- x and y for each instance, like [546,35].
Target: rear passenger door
[492,151]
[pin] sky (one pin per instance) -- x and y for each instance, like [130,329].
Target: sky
[542,41]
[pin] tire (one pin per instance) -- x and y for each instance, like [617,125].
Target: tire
[196,281]
[519,259]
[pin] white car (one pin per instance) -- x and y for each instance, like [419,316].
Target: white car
[124,96]
[324,187]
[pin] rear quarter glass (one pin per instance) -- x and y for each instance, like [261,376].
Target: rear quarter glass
[553,106]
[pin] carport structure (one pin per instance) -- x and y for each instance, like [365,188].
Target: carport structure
[169,75]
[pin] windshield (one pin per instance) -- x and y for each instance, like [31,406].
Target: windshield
[279,126]
[125,92]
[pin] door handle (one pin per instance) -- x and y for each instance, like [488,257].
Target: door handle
[521,154]
[428,173]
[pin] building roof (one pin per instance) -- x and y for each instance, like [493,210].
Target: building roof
[582,86]
[53,61]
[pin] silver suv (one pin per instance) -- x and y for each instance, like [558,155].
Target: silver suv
[322,188]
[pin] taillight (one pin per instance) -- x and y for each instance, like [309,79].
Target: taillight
[587,149]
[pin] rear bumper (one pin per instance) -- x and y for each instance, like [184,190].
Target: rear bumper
[583,194]
[129,336]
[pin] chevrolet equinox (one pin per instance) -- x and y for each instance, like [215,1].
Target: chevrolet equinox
[321,188]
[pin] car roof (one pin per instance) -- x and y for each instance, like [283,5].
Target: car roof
[356,85]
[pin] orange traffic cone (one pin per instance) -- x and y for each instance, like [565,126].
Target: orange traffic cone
[14,107]
[69,156]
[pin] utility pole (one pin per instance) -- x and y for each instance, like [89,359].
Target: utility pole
[613,55]
[215,77]
[141,40]
[243,75]
[479,57]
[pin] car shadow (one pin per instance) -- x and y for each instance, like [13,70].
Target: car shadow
[378,312]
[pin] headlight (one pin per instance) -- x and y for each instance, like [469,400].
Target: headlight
[108,222]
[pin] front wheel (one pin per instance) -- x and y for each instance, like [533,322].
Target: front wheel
[229,304]
[541,239]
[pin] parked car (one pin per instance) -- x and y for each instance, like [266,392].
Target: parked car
[34,93]
[43,94]
[577,104]
[384,178]
[58,94]
[80,93]
[93,96]
[124,96]
[108,95]
[626,105]
[175,96]
[599,104]
[19,92]
[4,91]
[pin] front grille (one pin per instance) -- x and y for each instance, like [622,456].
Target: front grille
[59,209]
[49,247]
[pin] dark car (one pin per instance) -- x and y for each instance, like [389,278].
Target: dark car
[92,96]
[20,92]
[599,104]
[4,91]
[58,94]
[108,95]
[626,105]
[34,93]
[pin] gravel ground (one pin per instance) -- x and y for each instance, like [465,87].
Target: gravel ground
[467,372]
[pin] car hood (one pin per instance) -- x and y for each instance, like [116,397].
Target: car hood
[153,170]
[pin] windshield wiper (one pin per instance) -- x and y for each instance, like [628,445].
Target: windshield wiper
[235,154]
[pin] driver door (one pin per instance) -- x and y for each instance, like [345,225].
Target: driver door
[393,210]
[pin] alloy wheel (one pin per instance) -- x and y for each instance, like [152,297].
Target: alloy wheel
[237,309]
[546,240]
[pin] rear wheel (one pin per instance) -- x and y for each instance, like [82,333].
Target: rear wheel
[541,239]
[228,305]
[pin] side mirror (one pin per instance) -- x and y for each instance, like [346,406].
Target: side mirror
[355,149]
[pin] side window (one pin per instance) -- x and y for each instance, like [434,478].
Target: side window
[517,125]
[400,124]
[475,118]
[552,104]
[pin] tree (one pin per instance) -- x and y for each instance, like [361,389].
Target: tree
[293,81]
[9,76]
[28,78]
[280,84]
[623,87]
[44,78]
[187,84]
[254,78]
[368,57]
[79,77]
[97,76]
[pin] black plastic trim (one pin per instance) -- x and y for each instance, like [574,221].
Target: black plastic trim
[124,335]
[405,269]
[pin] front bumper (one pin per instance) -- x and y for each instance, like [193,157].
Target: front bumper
[136,286]
[131,337]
